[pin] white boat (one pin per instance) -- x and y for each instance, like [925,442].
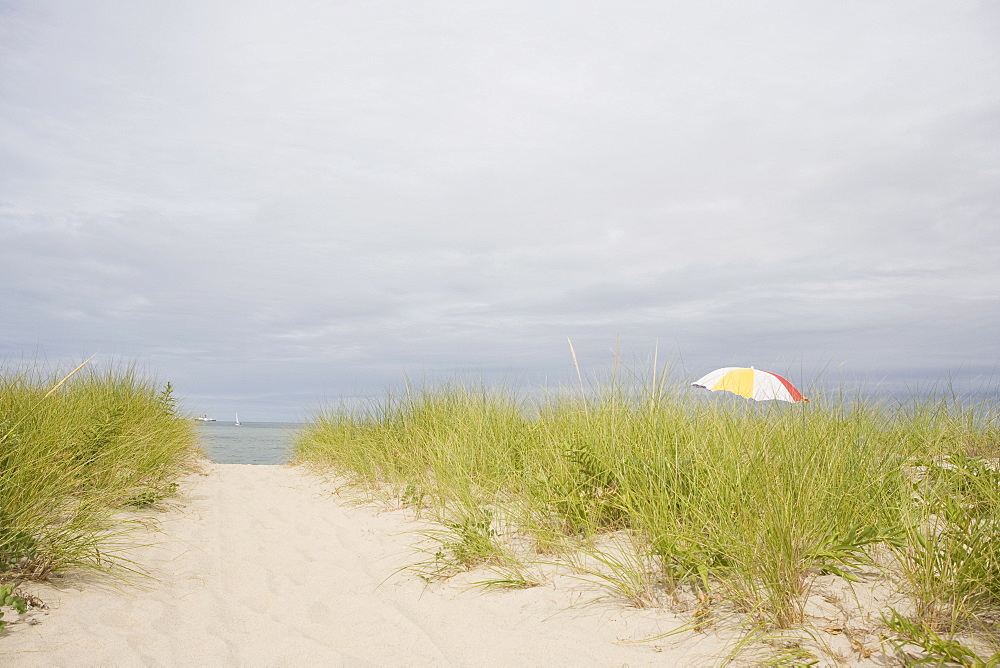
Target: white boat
[205,418]
[238,420]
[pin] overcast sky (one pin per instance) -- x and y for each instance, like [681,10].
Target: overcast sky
[277,204]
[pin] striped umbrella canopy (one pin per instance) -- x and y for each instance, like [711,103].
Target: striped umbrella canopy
[750,383]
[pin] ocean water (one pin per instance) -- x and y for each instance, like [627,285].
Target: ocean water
[251,443]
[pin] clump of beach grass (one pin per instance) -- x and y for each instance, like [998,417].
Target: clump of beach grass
[670,492]
[75,450]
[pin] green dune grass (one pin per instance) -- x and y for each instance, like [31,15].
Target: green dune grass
[746,503]
[75,450]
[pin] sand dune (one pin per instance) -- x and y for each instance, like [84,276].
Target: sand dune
[262,566]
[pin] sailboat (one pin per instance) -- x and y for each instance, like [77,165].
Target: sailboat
[238,424]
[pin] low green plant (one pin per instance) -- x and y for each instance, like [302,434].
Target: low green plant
[935,649]
[474,540]
[10,599]
[151,497]
[465,539]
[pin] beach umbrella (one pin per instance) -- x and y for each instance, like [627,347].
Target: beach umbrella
[750,383]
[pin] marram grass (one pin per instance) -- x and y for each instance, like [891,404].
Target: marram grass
[744,502]
[75,450]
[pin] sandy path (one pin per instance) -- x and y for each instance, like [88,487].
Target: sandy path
[261,566]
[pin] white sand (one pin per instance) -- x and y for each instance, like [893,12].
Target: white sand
[261,566]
